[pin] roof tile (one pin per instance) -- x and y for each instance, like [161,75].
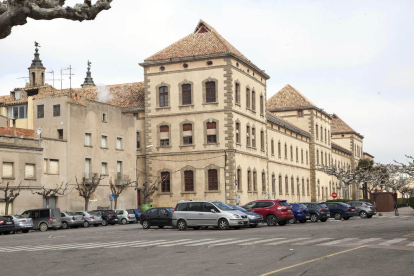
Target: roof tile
[288,97]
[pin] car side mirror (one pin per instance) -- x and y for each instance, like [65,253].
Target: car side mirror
[212,210]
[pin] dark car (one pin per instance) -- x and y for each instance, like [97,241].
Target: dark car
[108,217]
[300,212]
[317,211]
[339,210]
[272,210]
[137,214]
[44,218]
[6,225]
[363,209]
[160,216]
[254,219]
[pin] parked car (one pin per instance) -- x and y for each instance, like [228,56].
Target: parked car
[21,224]
[317,211]
[71,219]
[126,216]
[108,217]
[196,214]
[339,210]
[90,218]
[274,211]
[137,214]
[300,212]
[160,216]
[363,209]
[6,226]
[254,219]
[44,218]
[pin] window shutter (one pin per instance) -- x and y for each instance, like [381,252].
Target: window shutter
[29,171]
[164,135]
[187,127]
[211,125]
[212,180]
[7,169]
[164,128]
[54,166]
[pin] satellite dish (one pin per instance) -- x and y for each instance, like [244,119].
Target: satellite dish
[39,130]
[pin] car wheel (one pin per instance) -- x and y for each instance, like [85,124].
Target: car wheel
[161,226]
[25,231]
[196,227]
[105,222]
[292,221]
[43,227]
[124,221]
[85,223]
[363,214]
[302,221]
[346,218]
[271,220]
[369,216]
[337,216]
[282,223]
[314,217]
[323,220]
[252,225]
[181,225]
[223,224]
[65,225]
[146,224]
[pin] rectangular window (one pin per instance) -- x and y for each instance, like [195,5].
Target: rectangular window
[186,90]
[211,133]
[187,134]
[247,97]
[248,136]
[249,180]
[118,170]
[138,140]
[164,136]
[189,182]
[104,168]
[104,117]
[255,181]
[104,142]
[237,133]
[8,170]
[29,171]
[17,112]
[56,110]
[262,143]
[88,168]
[239,184]
[261,105]
[17,95]
[253,100]
[210,92]
[212,180]
[237,93]
[60,133]
[165,182]
[53,166]
[163,96]
[300,113]
[88,139]
[40,111]
[253,137]
[118,143]
[45,166]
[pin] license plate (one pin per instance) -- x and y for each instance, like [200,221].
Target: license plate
[289,210]
[116,219]
[8,223]
[307,216]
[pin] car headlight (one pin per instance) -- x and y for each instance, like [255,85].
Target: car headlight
[236,216]
[251,217]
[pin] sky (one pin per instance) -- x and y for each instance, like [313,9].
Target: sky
[351,58]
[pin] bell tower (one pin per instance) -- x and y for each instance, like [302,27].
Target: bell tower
[36,70]
[88,80]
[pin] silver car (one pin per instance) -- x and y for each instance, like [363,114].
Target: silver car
[71,219]
[363,209]
[126,216]
[90,218]
[21,224]
[196,214]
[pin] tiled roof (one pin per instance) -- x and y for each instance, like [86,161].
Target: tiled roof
[366,153]
[288,97]
[339,126]
[338,147]
[279,120]
[204,41]
[21,132]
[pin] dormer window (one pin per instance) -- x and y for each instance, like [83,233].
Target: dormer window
[17,95]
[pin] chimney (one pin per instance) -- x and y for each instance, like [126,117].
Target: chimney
[14,127]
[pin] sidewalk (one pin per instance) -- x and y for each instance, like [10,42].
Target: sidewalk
[403,211]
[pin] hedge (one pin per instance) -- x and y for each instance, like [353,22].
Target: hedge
[411,202]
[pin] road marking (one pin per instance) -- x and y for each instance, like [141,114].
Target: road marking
[312,241]
[182,243]
[410,244]
[280,242]
[388,243]
[262,241]
[210,242]
[361,242]
[234,242]
[155,243]
[409,235]
[337,241]
[311,261]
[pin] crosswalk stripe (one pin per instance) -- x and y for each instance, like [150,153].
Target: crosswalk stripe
[312,241]
[337,241]
[261,241]
[159,243]
[410,244]
[182,243]
[293,240]
[388,243]
[209,242]
[234,242]
[361,242]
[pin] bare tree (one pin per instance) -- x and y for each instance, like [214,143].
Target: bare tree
[148,188]
[48,193]
[404,168]
[16,12]
[87,187]
[117,189]
[10,194]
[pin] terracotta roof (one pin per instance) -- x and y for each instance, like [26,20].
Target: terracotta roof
[21,132]
[366,153]
[288,97]
[338,147]
[282,122]
[338,125]
[204,41]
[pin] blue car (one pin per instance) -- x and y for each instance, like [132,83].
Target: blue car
[300,212]
[137,214]
[254,219]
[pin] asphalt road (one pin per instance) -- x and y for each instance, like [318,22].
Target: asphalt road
[377,246]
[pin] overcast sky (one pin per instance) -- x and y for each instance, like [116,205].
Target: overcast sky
[352,58]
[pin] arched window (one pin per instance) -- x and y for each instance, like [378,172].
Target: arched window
[249,180]
[317,132]
[164,136]
[291,152]
[248,136]
[273,184]
[211,133]
[210,92]
[165,182]
[280,185]
[33,79]
[272,147]
[279,150]
[187,134]
[322,158]
[301,155]
[307,158]
[237,92]
[307,187]
[329,137]
[212,180]
[303,186]
[292,185]
[163,96]
[262,141]
[189,181]
[247,97]
[261,105]
[286,153]
[286,185]
[326,138]
[326,159]
[186,94]
[255,181]
[317,157]
[263,182]
[253,100]
[238,133]
[321,134]
[239,180]
[297,154]
[253,137]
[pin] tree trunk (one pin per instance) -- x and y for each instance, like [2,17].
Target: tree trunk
[6,209]
[145,199]
[86,204]
[116,202]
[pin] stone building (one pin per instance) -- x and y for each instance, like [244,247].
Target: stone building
[199,126]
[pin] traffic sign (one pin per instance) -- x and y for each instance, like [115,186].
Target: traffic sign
[205,194]
[111,197]
[334,195]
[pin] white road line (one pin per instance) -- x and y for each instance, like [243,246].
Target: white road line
[337,241]
[209,242]
[159,243]
[388,243]
[312,241]
[68,246]
[130,243]
[234,242]
[261,241]
[361,242]
[410,244]
[182,243]
[292,240]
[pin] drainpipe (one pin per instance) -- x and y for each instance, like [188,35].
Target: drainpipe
[14,127]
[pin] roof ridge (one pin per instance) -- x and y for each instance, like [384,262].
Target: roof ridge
[337,117]
[303,96]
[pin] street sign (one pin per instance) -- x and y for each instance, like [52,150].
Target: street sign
[334,195]
[111,197]
[205,194]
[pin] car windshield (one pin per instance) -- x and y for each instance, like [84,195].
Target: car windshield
[223,206]
[284,203]
[369,204]
[131,212]
[18,216]
[171,210]
[301,206]
[323,205]
[72,214]
[79,213]
[238,208]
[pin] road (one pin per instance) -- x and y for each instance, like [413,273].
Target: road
[378,246]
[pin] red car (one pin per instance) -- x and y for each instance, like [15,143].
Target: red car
[272,210]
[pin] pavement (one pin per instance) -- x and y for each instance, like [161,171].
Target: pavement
[381,245]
